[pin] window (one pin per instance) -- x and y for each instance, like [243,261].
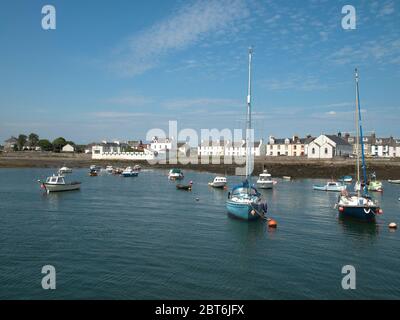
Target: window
[294,147]
[313,150]
[295,153]
[326,150]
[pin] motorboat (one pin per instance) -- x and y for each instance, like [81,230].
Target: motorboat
[331,186]
[287,178]
[56,183]
[129,172]
[265,181]
[394,181]
[175,174]
[218,182]
[64,170]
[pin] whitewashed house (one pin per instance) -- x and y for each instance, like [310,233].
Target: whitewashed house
[68,148]
[328,146]
[240,149]
[161,145]
[211,148]
[383,147]
[291,147]
[118,151]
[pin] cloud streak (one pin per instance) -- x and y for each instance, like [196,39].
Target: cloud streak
[189,25]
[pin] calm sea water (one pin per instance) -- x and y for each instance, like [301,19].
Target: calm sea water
[140,238]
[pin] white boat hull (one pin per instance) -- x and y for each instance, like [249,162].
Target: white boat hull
[265,184]
[62,187]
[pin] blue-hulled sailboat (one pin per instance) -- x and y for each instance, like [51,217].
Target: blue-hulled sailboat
[359,205]
[244,201]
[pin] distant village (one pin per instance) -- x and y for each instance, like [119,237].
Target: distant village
[325,146]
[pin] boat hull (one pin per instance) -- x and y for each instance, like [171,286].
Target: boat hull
[218,185]
[130,174]
[331,189]
[394,181]
[360,213]
[242,210]
[62,188]
[264,185]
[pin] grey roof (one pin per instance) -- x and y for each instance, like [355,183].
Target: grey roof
[338,140]
[11,140]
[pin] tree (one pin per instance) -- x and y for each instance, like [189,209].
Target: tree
[33,139]
[58,144]
[45,145]
[21,141]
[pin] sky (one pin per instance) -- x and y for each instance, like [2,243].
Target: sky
[117,69]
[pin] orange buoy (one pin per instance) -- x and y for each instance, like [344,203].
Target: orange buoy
[341,209]
[272,223]
[392,225]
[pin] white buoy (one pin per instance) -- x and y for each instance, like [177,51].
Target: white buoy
[392,225]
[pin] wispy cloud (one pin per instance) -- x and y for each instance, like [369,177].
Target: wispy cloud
[132,100]
[294,82]
[201,102]
[189,25]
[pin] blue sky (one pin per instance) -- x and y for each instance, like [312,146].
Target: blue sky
[116,69]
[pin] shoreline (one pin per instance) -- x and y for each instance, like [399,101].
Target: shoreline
[278,167]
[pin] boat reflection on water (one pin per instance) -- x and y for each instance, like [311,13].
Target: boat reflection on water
[246,233]
[360,229]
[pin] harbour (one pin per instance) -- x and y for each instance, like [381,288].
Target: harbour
[141,238]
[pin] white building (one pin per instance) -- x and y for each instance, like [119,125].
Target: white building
[116,151]
[385,147]
[294,147]
[68,148]
[161,145]
[328,146]
[219,148]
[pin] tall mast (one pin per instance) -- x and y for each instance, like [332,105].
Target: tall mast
[358,135]
[248,124]
[364,167]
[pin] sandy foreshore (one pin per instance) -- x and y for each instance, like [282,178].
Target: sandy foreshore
[277,166]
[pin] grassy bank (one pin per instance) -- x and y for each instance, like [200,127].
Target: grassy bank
[281,166]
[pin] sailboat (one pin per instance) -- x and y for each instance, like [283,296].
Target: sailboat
[359,205]
[244,201]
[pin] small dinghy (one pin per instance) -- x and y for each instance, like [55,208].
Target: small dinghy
[175,174]
[331,186]
[394,181]
[56,183]
[185,187]
[93,173]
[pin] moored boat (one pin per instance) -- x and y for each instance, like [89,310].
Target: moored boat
[137,167]
[129,172]
[109,169]
[394,181]
[265,180]
[64,170]
[346,179]
[175,174]
[244,201]
[187,187]
[218,182]
[331,186]
[360,205]
[56,183]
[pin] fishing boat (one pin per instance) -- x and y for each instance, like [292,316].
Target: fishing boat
[346,179]
[244,201]
[56,183]
[265,180]
[360,205]
[187,187]
[331,186]
[218,182]
[129,172]
[64,170]
[394,181]
[175,174]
